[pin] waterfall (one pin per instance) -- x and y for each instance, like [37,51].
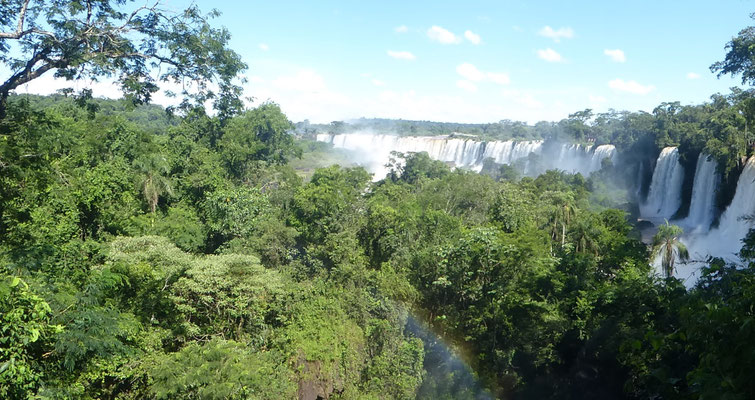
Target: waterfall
[598,155]
[324,137]
[509,151]
[726,239]
[702,206]
[575,158]
[373,152]
[665,195]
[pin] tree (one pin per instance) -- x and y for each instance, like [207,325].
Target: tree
[740,55]
[666,243]
[260,134]
[417,166]
[138,46]
[152,179]
[561,211]
[25,337]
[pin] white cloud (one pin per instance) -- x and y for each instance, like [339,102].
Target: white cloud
[616,55]
[442,35]
[550,55]
[256,79]
[499,78]
[630,86]
[472,37]
[264,47]
[523,98]
[305,80]
[556,35]
[401,55]
[378,82]
[466,85]
[401,29]
[470,72]
[693,75]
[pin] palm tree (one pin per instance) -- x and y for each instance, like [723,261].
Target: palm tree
[667,244]
[561,213]
[152,180]
[585,234]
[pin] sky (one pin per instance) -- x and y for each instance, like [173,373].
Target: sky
[475,61]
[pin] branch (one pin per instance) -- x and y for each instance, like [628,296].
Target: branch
[29,73]
[20,28]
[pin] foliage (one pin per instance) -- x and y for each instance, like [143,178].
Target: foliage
[220,369]
[739,57]
[114,38]
[257,134]
[253,283]
[668,247]
[25,337]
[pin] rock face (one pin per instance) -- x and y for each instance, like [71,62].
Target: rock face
[315,383]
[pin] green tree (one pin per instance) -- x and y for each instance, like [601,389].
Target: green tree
[666,243]
[740,56]
[93,39]
[152,178]
[260,134]
[330,202]
[416,166]
[561,212]
[221,370]
[25,336]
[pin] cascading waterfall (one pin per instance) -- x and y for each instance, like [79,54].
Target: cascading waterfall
[724,241]
[374,151]
[599,154]
[575,158]
[665,195]
[702,205]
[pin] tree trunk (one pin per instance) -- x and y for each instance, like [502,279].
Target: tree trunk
[563,234]
[3,105]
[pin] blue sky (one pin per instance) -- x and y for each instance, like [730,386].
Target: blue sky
[478,61]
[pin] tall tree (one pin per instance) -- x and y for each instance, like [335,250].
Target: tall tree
[666,243]
[152,178]
[138,46]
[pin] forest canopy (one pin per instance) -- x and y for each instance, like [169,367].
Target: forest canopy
[155,255]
